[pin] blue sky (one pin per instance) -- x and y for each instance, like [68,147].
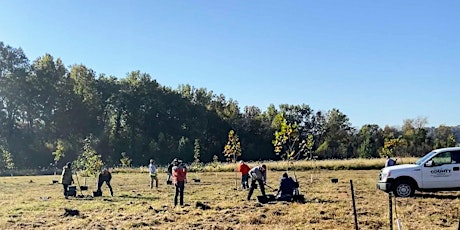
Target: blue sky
[378,62]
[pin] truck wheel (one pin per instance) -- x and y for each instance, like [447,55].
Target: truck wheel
[403,188]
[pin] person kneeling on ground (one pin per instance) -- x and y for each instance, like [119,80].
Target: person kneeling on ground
[258,174]
[286,189]
[104,176]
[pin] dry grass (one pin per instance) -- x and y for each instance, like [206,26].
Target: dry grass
[34,202]
[304,165]
[300,165]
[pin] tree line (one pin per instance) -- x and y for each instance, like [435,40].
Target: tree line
[51,114]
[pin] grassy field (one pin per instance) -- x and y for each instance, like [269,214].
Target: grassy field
[34,202]
[299,165]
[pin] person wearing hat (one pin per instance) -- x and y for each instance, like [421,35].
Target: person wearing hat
[243,168]
[66,178]
[170,166]
[258,174]
[179,176]
[104,176]
[153,174]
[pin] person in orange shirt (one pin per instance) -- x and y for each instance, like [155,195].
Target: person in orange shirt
[243,168]
[179,177]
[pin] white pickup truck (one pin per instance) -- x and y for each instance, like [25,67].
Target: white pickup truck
[439,170]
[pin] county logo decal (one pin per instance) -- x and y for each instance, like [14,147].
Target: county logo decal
[441,172]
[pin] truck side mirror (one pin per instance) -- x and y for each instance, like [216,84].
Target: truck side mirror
[429,163]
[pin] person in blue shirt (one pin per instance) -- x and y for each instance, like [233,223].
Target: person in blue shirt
[390,162]
[286,189]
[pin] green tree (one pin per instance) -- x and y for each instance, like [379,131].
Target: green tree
[125,160]
[371,140]
[227,110]
[337,135]
[388,149]
[14,69]
[310,143]
[302,115]
[215,161]
[255,129]
[88,101]
[232,150]
[444,137]
[89,161]
[8,162]
[268,116]
[287,142]
[44,91]
[58,154]
[451,141]
[196,165]
[196,150]
[415,138]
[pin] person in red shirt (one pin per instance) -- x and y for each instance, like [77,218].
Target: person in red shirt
[179,177]
[243,168]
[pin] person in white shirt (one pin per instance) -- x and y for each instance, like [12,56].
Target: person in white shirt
[258,174]
[153,174]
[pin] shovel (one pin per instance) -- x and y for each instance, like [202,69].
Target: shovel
[274,189]
[78,182]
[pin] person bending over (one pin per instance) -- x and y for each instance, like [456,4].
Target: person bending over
[258,174]
[104,176]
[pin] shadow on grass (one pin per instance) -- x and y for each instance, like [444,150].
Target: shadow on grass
[139,197]
[321,201]
[437,196]
[198,183]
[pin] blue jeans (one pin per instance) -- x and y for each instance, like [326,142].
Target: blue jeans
[253,185]
[244,181]
[180,185]
[99,185]
[66,188]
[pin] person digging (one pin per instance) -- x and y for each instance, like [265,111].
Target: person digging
[104,176]
[258,174]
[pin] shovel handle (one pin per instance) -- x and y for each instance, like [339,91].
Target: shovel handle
[269,186]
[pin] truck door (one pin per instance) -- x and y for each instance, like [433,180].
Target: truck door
[456,167]
[442,171]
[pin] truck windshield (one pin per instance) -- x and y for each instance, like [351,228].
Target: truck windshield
[426,157]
